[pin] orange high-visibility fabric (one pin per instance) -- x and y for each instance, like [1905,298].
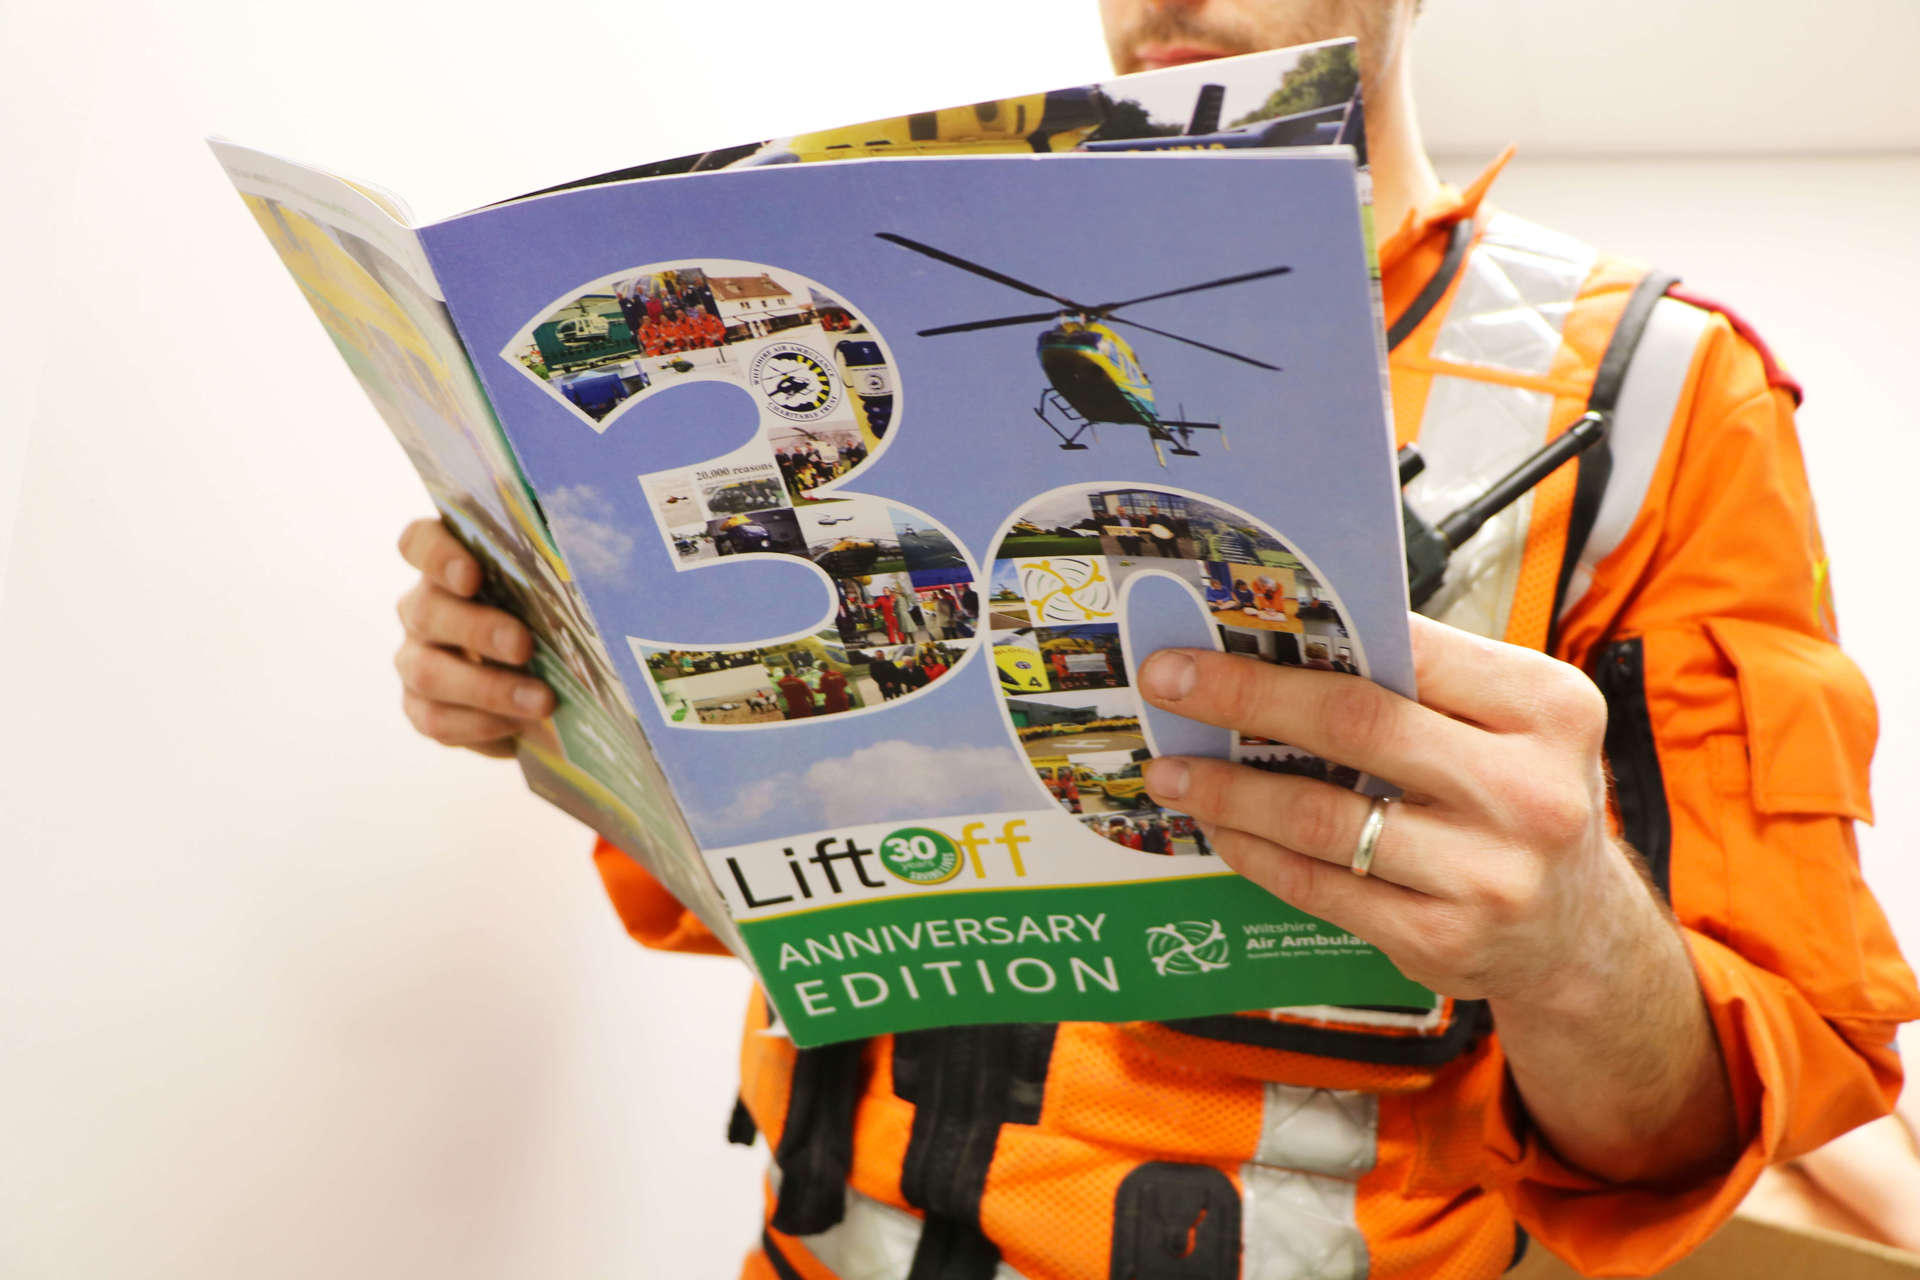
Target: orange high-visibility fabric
[1764,730]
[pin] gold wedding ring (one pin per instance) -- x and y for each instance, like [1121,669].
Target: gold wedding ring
[1370,835]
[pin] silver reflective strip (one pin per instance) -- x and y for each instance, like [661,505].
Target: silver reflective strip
[1516,289]
[1325,1131]
[1297,1213]
[1648,400]
[874,1241]
[1299,1226]
[1513,298]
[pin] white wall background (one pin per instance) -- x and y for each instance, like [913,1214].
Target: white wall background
[290,992]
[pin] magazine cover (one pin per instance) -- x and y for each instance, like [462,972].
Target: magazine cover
[844,500]
[931,454]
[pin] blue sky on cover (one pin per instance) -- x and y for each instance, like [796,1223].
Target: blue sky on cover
[1308,446]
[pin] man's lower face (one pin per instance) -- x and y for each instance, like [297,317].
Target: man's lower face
[1143,35]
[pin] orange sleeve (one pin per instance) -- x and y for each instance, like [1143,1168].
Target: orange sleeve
[652,916]
[1763,730]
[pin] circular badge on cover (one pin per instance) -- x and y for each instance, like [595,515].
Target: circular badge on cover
[920,855]
[795,382]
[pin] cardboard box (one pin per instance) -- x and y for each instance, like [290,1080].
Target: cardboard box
[1749,1248]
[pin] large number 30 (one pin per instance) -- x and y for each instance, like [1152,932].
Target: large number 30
[908,605]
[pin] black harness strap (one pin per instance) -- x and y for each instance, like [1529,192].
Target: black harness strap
[1596,463]
[1175,1222]
[1429,297]
[741,1130]
[964,1084]
[778,1260]
[815,1154]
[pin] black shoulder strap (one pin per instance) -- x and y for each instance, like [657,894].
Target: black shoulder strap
[1626,339]
[1596,463]
[815,1154]
[1436,288]
[965,1084]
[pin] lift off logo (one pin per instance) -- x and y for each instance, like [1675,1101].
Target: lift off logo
[920,855]
[794,381]
[1186,947]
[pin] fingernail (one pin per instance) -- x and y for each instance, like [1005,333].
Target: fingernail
[1167,779]
[506,641]
[1169,676]
[531,697]
[461,578]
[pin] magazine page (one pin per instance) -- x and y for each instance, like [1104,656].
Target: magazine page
[919,459]
[1307,95]
[367,279]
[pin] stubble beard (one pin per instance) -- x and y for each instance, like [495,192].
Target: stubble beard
[1274,24]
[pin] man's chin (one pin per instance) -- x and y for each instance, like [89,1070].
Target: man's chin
[1157,57]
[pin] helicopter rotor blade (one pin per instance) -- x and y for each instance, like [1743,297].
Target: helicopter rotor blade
[1109,308]
[941,255]
[971,325]
[1194,342]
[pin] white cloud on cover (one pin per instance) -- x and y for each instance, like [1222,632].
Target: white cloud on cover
[583,523]
[884,782]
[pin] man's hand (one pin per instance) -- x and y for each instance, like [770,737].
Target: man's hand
[453,664]
[1495,878]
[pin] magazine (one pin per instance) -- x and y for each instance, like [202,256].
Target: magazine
[845,498]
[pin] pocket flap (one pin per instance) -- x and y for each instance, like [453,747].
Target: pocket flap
[1810,719]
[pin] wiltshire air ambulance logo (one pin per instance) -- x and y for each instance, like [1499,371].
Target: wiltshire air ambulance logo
[1186,947]
[920,855]
[795,382]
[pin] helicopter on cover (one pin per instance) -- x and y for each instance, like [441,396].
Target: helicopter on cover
[1093,376]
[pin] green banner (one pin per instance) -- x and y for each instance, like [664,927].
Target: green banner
[1107,952]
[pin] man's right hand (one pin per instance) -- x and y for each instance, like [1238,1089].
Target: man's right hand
[456,663]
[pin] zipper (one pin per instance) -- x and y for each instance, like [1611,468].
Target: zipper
[1639,788]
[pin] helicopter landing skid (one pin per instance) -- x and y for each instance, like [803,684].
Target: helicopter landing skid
[1052,400]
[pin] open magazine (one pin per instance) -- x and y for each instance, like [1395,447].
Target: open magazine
[844,500]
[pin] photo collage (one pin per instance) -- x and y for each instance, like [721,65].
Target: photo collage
[1053,613]
[804,353]
[904,598]
[905,607]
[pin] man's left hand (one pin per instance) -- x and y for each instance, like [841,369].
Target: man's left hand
[1494,878]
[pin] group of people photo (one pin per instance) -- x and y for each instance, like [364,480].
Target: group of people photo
[892,609]
[1150,831]
[896,672]
[810,458]
[670,312]
[765,685]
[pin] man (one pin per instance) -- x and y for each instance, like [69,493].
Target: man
[833,691]
[1626,1041]
[797,695]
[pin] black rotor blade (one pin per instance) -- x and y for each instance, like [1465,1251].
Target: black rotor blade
[1110,307]
[941,255]
[1219,351]
[971,325]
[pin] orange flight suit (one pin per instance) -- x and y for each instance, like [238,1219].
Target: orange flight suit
[1739,740]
